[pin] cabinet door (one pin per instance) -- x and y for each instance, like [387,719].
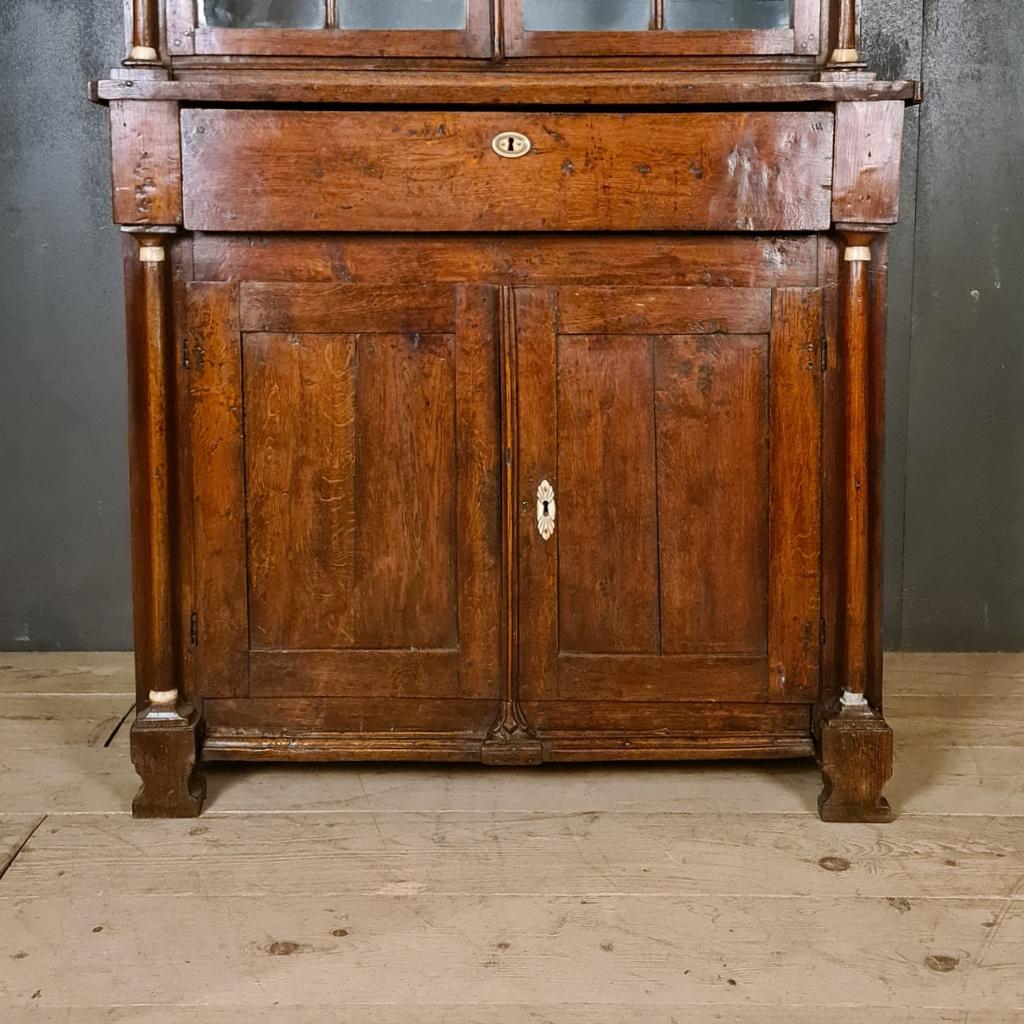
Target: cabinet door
[345,473]
[660,27]
[669,494]
[371,28]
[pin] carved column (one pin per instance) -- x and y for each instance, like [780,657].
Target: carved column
[166,730]
[845,33]
[855,743]
[145,33]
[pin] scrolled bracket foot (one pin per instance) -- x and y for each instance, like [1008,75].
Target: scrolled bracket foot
[165,750]
[855,754]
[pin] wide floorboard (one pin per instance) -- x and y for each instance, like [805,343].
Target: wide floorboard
[464,895]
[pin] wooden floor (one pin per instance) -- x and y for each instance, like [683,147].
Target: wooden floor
[435,895]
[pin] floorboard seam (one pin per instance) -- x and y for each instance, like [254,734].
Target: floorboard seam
[21,846]
[120,724]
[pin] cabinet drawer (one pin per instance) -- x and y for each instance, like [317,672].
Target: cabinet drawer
[261,170]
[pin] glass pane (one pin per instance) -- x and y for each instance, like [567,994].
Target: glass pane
[437,14]
[696,14]
[586,15]
[263,13]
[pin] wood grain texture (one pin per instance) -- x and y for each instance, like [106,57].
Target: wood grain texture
[795,517]
[607,511]
[610,310]
[338,171]
[711,403]
[59,672]
[356,673]
[347,309]
[866,183]
[679,260]
[285,717]
[855,342]
[729,937]
[146,161]
[520,1013]
[218,488]
[154,468]
[478,492]
[537,426]
[372,491]
[300,450]
[603,87]
[655,677]
[436,853]
[405,554]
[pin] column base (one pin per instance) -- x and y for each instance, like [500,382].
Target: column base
[855,755]
[165,748]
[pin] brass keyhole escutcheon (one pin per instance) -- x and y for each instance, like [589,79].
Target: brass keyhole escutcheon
[511,145]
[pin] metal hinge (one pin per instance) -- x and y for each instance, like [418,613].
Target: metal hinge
[185,361]
[193,629]
[824,354]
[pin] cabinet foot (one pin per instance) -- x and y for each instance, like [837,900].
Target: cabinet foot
[855,754]
[165,746]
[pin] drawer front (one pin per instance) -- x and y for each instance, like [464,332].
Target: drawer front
[261,170]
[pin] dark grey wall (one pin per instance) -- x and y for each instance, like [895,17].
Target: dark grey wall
[955,448]
[63,482]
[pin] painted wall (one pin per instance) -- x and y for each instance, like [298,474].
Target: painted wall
[955,448]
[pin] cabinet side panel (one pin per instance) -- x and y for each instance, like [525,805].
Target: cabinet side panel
[218,489]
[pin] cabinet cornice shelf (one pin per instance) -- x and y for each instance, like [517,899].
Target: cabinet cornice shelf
[605,89]
[506,383]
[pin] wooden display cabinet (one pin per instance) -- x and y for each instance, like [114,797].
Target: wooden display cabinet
[506,383]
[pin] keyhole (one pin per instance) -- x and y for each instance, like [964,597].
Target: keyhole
[511,144]
[547,509]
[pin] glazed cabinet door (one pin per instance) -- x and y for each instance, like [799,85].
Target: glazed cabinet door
[325,28]
[346,496]
[669,494]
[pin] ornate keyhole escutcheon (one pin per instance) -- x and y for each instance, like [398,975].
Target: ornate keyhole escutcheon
[545,510]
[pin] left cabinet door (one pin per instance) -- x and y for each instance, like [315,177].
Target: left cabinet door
[330,28]
[345,473]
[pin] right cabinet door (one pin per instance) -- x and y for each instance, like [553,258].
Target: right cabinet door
[669,494]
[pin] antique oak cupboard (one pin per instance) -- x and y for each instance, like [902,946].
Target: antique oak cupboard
[506,382]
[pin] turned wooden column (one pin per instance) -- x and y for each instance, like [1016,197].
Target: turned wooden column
[855,743]
[845,33]
[855,341]
[165,733]
[145,33]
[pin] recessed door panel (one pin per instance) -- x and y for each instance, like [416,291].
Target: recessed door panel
[370,440]
[350,443]
[669,574]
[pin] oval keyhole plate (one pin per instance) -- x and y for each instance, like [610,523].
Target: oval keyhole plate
[511,145]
